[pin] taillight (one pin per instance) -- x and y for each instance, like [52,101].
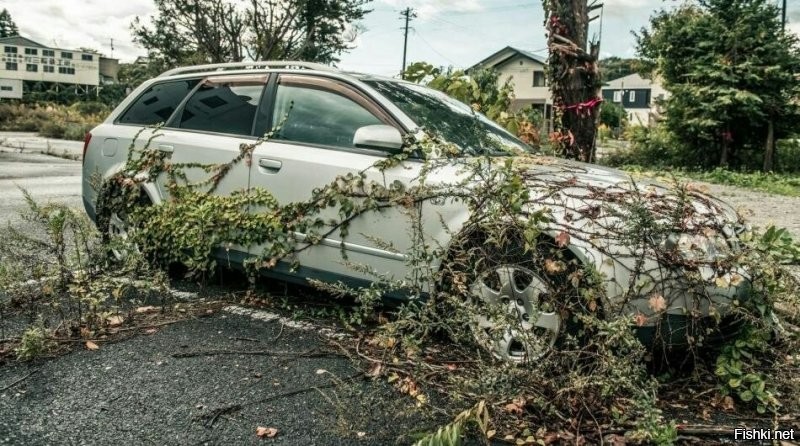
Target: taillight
[86,140]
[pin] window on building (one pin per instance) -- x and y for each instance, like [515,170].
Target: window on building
[31,51]
[66,70]
[618,96]
[32,67]
[223,108]
[632,96]
[157,103]
[66,55]
[10,50]
[6,88]
[48,69]
[48,53]
[11,66]
[539,79]
[88,57]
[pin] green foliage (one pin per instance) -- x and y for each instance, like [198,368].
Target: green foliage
[452,433]
[614,67]
[735,370]
[55,272]
[612,115]
[782,184]
[35,342]
[53,121]
[7,26]
[730,71]
[312,30]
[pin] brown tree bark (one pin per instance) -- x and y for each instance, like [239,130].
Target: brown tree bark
[574,78]
[769,148]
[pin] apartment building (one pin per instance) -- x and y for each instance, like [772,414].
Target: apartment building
[26,65]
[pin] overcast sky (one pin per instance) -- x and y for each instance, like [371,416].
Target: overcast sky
[446,32]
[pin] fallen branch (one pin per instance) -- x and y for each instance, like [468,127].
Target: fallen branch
[216,413]
[19,380]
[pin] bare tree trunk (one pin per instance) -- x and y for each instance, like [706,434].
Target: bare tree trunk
[769,147]
[574,78]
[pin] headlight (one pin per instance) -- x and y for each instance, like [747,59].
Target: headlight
[698,247]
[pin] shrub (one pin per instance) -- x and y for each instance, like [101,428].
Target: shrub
[53,121]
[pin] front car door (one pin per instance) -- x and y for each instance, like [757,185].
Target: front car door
[314,120]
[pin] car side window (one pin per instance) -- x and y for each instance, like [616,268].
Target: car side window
[318,116]
[157,103]
[222,108]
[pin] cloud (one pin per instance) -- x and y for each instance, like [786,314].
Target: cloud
[429,8]
[73,24]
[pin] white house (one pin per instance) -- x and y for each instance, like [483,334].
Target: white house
[33,65]
[638,96]
[526,72]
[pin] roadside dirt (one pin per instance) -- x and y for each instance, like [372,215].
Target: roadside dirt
[760,208]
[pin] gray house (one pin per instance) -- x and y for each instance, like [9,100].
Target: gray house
[638,96]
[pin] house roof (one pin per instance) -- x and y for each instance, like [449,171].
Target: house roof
[20,41]
[505,54]
[630,81]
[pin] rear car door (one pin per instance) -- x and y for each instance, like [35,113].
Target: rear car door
[315,119]
[209,128]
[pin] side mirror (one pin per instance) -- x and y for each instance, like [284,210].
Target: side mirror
[378,137]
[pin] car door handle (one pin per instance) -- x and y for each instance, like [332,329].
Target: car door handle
[166,148]
[270,165]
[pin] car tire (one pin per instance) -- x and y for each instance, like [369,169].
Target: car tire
[535,295]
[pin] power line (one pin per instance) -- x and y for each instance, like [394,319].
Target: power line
[408,14]
[432,48]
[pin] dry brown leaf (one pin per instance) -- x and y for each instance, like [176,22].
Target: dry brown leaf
[92,346]
[640,319]
[553,266]
[151,330]
[148,309]
[657,303]
[375,371]
[266,432]
[562,239]
[115,320]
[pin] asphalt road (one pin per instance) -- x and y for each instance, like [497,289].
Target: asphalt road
[46,178]
[137,392]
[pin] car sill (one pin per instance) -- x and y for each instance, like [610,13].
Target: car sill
[357,248]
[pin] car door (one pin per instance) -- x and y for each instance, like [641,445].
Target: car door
[314,120]
[209,129]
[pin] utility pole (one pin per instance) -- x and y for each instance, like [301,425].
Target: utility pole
[783,17]
[408,14]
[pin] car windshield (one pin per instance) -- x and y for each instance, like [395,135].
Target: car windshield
[472,133]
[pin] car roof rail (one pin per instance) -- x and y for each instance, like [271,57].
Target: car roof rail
[288,64]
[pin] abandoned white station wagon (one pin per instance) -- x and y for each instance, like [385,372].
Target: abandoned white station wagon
[343,123]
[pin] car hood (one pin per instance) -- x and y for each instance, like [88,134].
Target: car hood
[574,186]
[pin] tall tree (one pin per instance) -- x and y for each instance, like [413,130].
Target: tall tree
[733,78]
[7,26]
[574,77]
[213,31]
[616,67]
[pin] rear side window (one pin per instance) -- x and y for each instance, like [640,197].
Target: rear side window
[318,116]
[222,108]
[157,103]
